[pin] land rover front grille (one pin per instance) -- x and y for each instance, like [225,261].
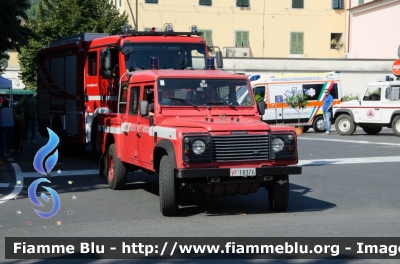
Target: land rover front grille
[240,148]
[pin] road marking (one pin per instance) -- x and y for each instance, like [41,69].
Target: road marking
[18,187]
[351,141]
[320,162]
[35,174]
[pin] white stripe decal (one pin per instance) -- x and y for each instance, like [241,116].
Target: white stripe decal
[163,132]
[351,141]
[110,129]
[98,98]
[348,161]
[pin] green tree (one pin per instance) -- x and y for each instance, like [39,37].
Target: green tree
[297,101]
[61,18]
[32,10]
[13,32]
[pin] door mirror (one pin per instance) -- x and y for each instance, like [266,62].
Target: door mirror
[144,108]
[261,107]
[218,56]
[105,63]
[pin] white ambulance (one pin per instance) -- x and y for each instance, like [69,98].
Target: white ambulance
[272,87]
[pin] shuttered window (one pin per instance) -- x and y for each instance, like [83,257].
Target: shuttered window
[242,39]
[337,4]
[296,43]
[297,3]
[205,2]
[207,35]
[242,3]
[151,1]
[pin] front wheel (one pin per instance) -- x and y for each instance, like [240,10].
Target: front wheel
[319,125]
[116,170]
[278,193]
[168,188]
[372,130]
[305,129]
[344,125]
[396,126]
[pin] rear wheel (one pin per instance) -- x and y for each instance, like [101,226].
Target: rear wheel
[396,126]
[372,130]
[344,125]
[319,125]
[278,193]
[116,170]
[168,188]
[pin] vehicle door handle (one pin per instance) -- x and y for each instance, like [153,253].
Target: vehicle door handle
[377,109]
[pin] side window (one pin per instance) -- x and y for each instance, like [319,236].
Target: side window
[372,94]
[260,90]
[387,93]
[334,92]
[115,63]
[134,100]
[313,91]
[395,93]
[92,63]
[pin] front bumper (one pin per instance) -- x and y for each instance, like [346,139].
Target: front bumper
[216,172]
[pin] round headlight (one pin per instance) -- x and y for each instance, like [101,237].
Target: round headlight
[198,146]
[290,137]
[277,144]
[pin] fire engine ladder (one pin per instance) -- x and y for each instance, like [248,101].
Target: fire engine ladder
[119,94]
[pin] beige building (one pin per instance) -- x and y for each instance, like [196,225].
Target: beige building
[254,28]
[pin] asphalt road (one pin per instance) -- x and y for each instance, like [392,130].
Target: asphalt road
[349,188]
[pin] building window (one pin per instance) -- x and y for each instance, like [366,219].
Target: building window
[205,2]
[242,3]
[360,2]
[337,4]
[297,3]
[241,38]
[296,42]
[120,3]
[336,41]
[207,35]
[151,1]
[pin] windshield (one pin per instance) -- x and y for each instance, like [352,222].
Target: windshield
[203,92]
[177,56]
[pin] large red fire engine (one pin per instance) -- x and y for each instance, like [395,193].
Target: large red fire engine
[172,115]
[72,92]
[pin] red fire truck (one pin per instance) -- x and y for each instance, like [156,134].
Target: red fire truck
[72,92]
[190,128]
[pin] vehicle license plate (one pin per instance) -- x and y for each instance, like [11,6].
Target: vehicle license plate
[243,172]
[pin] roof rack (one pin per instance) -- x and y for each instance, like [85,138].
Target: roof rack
[78,37]
[158,33]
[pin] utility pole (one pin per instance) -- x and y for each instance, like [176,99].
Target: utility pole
[137,16]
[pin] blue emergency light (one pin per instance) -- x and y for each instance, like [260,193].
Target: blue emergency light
[154,65]
[210,64]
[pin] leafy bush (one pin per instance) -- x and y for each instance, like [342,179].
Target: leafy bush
[258,98]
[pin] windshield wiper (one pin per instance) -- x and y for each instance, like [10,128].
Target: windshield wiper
[219,103]
[183,100]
